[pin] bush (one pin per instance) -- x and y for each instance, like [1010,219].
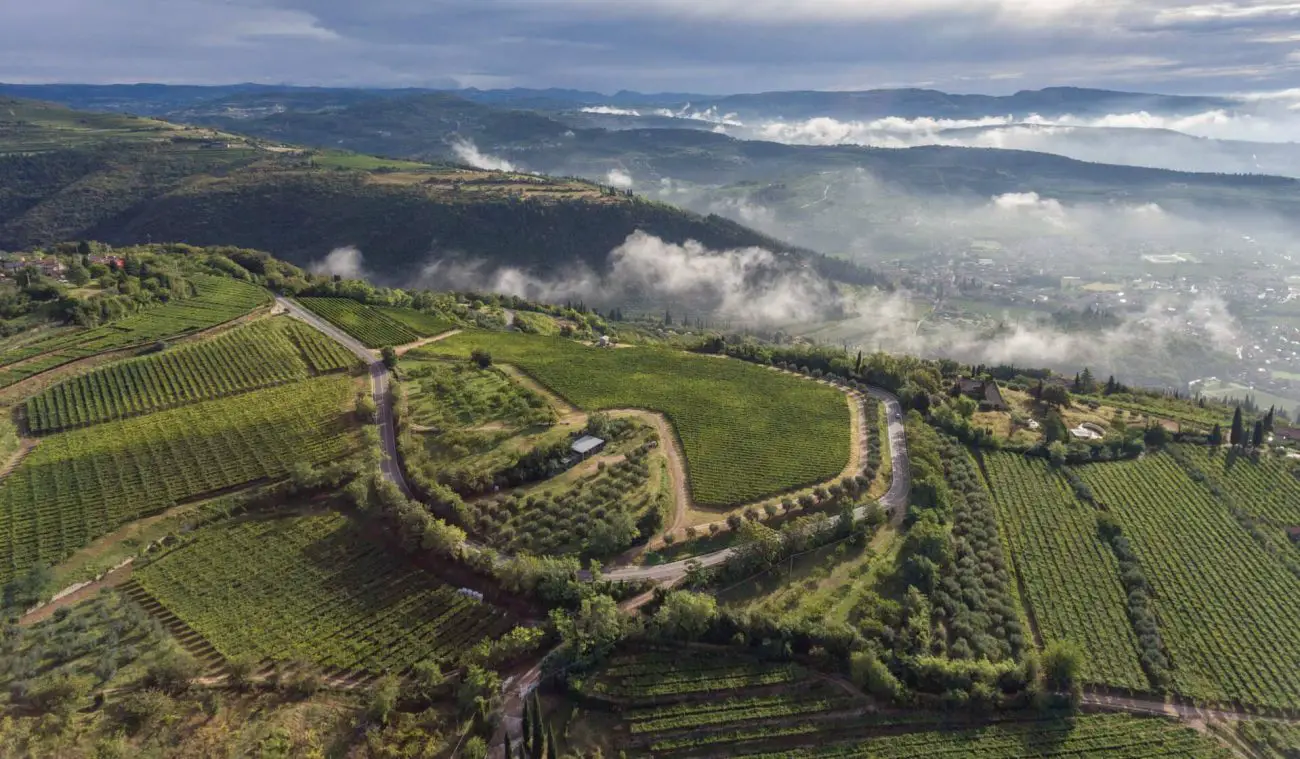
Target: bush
[172,672]
[140,710]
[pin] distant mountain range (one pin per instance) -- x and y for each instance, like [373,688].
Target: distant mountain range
[159,99]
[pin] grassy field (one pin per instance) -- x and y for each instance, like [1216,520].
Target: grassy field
[339,159]
[314,588]
[259,355]
[79,485]
[747,432]
[1229,613]
[451,395]
[1070,577]
[219,300]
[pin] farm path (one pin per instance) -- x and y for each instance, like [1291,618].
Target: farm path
[893,501]
[672,448]
[111,579]
[404,349]
[25,446]
[1114,702]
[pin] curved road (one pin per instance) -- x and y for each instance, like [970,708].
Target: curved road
[894,501]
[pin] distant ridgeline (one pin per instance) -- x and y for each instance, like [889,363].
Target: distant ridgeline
[66,175]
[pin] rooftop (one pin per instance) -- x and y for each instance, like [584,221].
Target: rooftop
[587,444]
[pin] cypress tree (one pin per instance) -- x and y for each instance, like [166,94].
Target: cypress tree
[551,752]
[539,734]
[1257,439]
[1216,436]
[1238,435]
[528,727]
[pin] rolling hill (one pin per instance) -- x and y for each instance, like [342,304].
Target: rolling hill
[67,175]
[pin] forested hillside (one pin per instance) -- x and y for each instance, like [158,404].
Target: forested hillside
[66,176]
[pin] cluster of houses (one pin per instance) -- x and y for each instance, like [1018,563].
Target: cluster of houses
[50,266]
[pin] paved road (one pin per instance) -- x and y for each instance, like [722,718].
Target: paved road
[894,501]
[379,388]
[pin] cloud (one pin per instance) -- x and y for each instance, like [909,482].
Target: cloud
[708,46]
[346,262]
[748,284]
[619,178]
[468,153]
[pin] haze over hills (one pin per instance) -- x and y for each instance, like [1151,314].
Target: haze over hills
[70,175]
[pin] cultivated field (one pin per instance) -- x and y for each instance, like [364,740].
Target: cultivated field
[79,485]
[1229,612]
[375,326]
[259,355]
[457,395]
[1094,736]
[314,588]
[1262,486]
[1070,576]
[747,432]
[219,300]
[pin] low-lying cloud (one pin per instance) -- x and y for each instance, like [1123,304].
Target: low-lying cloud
[346,262]
[619,178]
[747,284]
[468,153]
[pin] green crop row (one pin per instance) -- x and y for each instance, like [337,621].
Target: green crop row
[77,486]
[1229,612]
[259,355]
[1095,736]
[1070,575]
[314,588]
[367,324]
[218,300]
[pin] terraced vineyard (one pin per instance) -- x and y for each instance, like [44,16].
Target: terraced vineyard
[1263,486]
[259,355]
[218,300]
[1070,576]
[367,324]
[79,485]
[315,588]
[747,432]
[666,675]
[1229,612]
[1093,736]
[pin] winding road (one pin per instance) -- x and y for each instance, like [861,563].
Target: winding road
[894,501]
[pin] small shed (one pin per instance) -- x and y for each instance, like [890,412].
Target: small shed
[587,445]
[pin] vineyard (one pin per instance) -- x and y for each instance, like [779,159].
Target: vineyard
[313,588]
[419,322]
[1262,486]
[366,323]
[703,702]
[79,485]
[1093,736]
[1070,576]
[747,432]
[262,354]
[1271,740]
[218,300]
[1229,613]
[449,395]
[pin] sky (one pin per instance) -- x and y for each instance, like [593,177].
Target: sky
[704,46]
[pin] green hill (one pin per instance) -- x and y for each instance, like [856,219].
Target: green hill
[125,180]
